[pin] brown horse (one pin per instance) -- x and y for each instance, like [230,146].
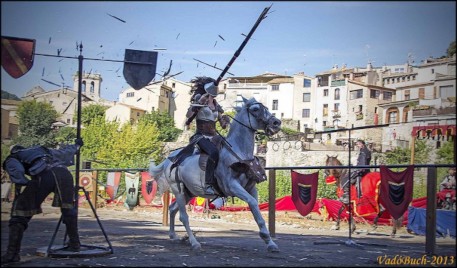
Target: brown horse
[369,203]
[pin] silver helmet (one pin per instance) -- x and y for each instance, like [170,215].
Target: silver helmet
[211,88]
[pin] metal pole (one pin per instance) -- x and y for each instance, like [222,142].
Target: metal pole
[78,124]
[272,202]
[430,220]
[349,183]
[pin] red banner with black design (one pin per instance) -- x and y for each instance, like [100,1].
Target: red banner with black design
[396,190]
[435,132]
[304,191]
[17,55]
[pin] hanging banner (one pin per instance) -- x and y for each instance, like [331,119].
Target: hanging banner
[17,55]
[112,184]
[148,187]
[131,186]
[139,67]
[396,190]
[304,191]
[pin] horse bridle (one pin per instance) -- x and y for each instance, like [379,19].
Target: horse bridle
[265,122]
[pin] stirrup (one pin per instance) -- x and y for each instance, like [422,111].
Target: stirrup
[209,190]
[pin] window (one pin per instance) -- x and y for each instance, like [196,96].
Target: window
[130,94]
[274,87]
[306,97]
[422,93]
[407,94]
[392,117]
[324,123]
[447,91]
[336,107]
[433,71]
[356,94]
[84,86]
[68,121]
[306,82]
[325,92]
[305,113]
[374,94]
[325,110]
[275,105]
[173,85]
[92,87]
[337,93]
[387,95]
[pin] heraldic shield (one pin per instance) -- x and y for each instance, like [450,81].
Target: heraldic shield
[17,55]
[396,190]
[304,191]
[139,67]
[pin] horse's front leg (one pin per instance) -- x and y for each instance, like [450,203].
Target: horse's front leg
[181,200]
[338,219]
[173,210]
[241,193]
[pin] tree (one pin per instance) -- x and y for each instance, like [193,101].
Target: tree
[451,49]
[35,120]
[164,122]
[446,153]
[110,145]
[65,135]
[90,112]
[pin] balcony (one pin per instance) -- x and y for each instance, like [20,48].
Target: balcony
[338,83]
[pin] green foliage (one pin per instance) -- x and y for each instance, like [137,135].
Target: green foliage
[289,131]
[164,122]
[284,187]
[445,155]
[90,112]
[65,135]
[110,145]
[35,120]
[8,96]
[224,132]
[451,49]
[421,152]
[399,156]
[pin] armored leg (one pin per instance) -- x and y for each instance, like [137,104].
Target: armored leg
[209,177]
[345,197]
[16,232]
[71,222]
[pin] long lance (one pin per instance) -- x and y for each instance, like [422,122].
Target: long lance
[238,52]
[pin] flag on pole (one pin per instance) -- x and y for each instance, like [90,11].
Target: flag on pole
[17,55]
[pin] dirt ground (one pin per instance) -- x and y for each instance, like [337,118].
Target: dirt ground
[228,239]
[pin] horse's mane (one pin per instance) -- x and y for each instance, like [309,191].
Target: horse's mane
[246,103]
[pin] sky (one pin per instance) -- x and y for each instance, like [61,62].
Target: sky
[296,36]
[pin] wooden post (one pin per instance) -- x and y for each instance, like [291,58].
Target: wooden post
[413,142]
[94,194]
[272,202]
[166,203]
[430,223]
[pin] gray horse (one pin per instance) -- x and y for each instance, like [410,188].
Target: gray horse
[233,173]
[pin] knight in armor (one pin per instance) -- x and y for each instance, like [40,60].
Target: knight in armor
[363,159]
[207,112]
[48,172]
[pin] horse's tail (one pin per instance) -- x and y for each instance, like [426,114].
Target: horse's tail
[158,173]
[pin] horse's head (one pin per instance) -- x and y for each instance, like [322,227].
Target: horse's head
[257,117]
[333,161]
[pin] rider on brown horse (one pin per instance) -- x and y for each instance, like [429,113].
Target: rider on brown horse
[363,159]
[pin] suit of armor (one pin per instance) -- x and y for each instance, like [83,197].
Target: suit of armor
[49,173]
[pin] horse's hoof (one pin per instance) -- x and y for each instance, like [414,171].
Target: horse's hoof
[374,228]
[273,248]
[196,247]
[392,235]
[335,227]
